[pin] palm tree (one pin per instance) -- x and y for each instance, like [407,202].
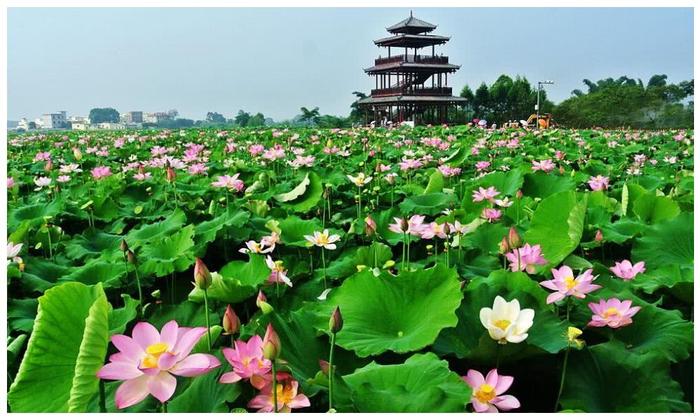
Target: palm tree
[310,116]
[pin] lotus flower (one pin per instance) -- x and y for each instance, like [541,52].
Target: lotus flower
[491,215]
[612,313]
[101,172]
[248,363]
[232,183]
[360,180]
[278,273]
[288,396]
[487,194]
[487,392]
[506,322]
[323,239]
[526,258]
[148,360]
[626,271]
[565,284]
[598,183]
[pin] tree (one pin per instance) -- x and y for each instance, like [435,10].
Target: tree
[355,114]
[215,118]
[626,102]
[101,115]
[242,118]
[310,116]
[257,120]
[481,101]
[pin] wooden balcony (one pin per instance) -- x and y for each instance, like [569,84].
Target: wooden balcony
[410,58]
[435,91]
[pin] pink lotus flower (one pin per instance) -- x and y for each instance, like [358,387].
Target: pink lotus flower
[101,172]
[485,194]
[148,360]
[526,258]
[565,284]
[288,396]
[229,182]
[491,215]
[626,271]
[256,149]
[10,182]
[598,183]
[248,363]
[545,165]
[482,165]
[487,392]
[433,229]
[278,274]
[612,313]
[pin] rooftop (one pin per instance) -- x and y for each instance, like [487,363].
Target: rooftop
[411,25]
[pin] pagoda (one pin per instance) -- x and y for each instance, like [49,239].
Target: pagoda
[410,86]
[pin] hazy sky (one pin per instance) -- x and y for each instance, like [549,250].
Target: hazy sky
[277,60]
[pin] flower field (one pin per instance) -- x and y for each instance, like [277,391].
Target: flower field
[428,269]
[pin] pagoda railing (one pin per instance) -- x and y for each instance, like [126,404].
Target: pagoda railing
[410,58]
[435,91]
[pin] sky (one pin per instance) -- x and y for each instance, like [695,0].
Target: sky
[275,61]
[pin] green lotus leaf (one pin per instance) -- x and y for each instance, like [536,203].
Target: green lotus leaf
[65,351]
[295,193]
[155,231]
[543,185]
[653,209]
[206,232]
[205,394]
[108,273]
[173,253]
[557,226]
[642,383]
[427,204]
[236,281]
[395,313]
[422,384]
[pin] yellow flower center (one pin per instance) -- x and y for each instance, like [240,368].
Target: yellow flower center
[285,395]
[502,324]
[322,239]
[610,312]
[485,393]
[570,282]
[153,353]
[279,266]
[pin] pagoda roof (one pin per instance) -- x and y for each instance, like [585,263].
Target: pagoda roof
[385,100]
[411,40]
[411,25]
[436,68]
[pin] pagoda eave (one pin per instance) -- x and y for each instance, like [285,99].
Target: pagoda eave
[428,68]
[398,99]
[411,41]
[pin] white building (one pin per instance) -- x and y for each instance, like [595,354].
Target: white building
[53,120]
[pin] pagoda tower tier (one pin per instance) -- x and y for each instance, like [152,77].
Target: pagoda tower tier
[410,85]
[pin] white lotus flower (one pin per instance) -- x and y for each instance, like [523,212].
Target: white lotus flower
[506,322]
[323,239]
[360,180]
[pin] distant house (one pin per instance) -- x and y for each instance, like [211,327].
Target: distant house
[79,125]
[132,117]
[109,126]
[53,120]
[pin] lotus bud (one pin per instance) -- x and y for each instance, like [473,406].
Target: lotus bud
[519,194]
[202,276]
[261,302]
[170,174]
[77,154]
[513,238]
[503,247]
[335,324]
[404,225]
[599,236]
[48,166]
[370,226]
[271,345]
[123,246]
[231,323]
[131,257]
[324,366]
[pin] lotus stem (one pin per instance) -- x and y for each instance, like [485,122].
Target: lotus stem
[330,373]
[274,385]
[323,262]
[206,318]
[566,359]
[138,286]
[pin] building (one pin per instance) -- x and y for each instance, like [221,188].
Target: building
[410,86]
[132,117]
[79,125]
[109,126]
[53,120]
[155,117]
